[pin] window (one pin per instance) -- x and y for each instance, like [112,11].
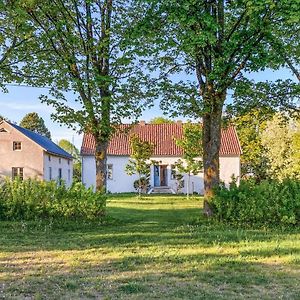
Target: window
[173,172]
[59,160]
[17,146]
[68,162]
[110,171]
[49,157]
[59,176]
[50,173]
[3,130]
[17,172]
[69,175]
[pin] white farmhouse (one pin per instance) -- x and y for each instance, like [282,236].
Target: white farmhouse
[166,153]
[26,154]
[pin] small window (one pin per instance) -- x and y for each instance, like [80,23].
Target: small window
[68,162]
[59,176]
[110,171]
[17,172]
[173,172]
[49,157]
[17,146]
[59,160]
[3,130]
[69,175]
[50,173]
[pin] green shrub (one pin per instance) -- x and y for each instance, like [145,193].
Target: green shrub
[142,185]
[32,199]
[270,203]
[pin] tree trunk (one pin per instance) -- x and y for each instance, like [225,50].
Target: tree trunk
[101,158]
[140,185]
[211,147]
[188,186]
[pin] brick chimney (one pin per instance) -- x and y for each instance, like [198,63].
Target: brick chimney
[142,123]
[179,122]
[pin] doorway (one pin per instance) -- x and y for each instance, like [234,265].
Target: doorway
[160,175]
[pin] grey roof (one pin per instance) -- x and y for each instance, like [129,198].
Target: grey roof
[44,142]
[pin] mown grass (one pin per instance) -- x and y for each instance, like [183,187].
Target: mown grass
[148,249]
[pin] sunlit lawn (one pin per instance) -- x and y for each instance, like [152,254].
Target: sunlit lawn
[148,249]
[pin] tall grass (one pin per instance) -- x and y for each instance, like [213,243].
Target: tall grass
[32,199]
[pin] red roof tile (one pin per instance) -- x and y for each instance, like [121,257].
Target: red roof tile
[162,135]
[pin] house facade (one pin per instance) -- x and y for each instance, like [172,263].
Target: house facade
[166,153]
[26,154]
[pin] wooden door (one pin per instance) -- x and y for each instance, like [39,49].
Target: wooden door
[163,175]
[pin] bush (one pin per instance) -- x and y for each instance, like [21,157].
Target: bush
[270,203]
[142,185]
[32,199]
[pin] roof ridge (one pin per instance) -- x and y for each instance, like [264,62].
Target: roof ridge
[162,138]
[44,142]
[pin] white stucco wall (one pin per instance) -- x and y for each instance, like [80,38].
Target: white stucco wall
[230,166]
[121,182]
[55,163]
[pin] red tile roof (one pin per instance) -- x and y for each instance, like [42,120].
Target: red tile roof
[162,135]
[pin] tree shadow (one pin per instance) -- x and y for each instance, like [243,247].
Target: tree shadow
[161,227]
[209,276]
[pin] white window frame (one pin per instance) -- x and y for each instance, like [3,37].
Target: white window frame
[173,172]
[15,148]
[17,172]
[110,172]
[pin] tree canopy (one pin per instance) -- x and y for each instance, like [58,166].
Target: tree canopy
[139,162]
[16,46]
[191,144]
[71,148]
[215,43]
[280,139]
[35,123]
[161,120]
[82,50]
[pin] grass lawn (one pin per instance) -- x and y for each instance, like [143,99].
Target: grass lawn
[148,249]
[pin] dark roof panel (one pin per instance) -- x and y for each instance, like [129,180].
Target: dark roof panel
[44,142]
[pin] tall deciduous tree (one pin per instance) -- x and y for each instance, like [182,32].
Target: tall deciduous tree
[71,148]
[4,118]
[296,149]
[278,139]
[139,162]
[15,40]
[191,144]
[86,54]
[217,41]
[250,125]
[35,123]
[161,120]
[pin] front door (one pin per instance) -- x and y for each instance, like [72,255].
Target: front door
[163,175]
[156,176]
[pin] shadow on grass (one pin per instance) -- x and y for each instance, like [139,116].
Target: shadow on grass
[143,254]
[211,276]
[131,228]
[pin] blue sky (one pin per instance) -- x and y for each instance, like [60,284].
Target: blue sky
[21,100]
